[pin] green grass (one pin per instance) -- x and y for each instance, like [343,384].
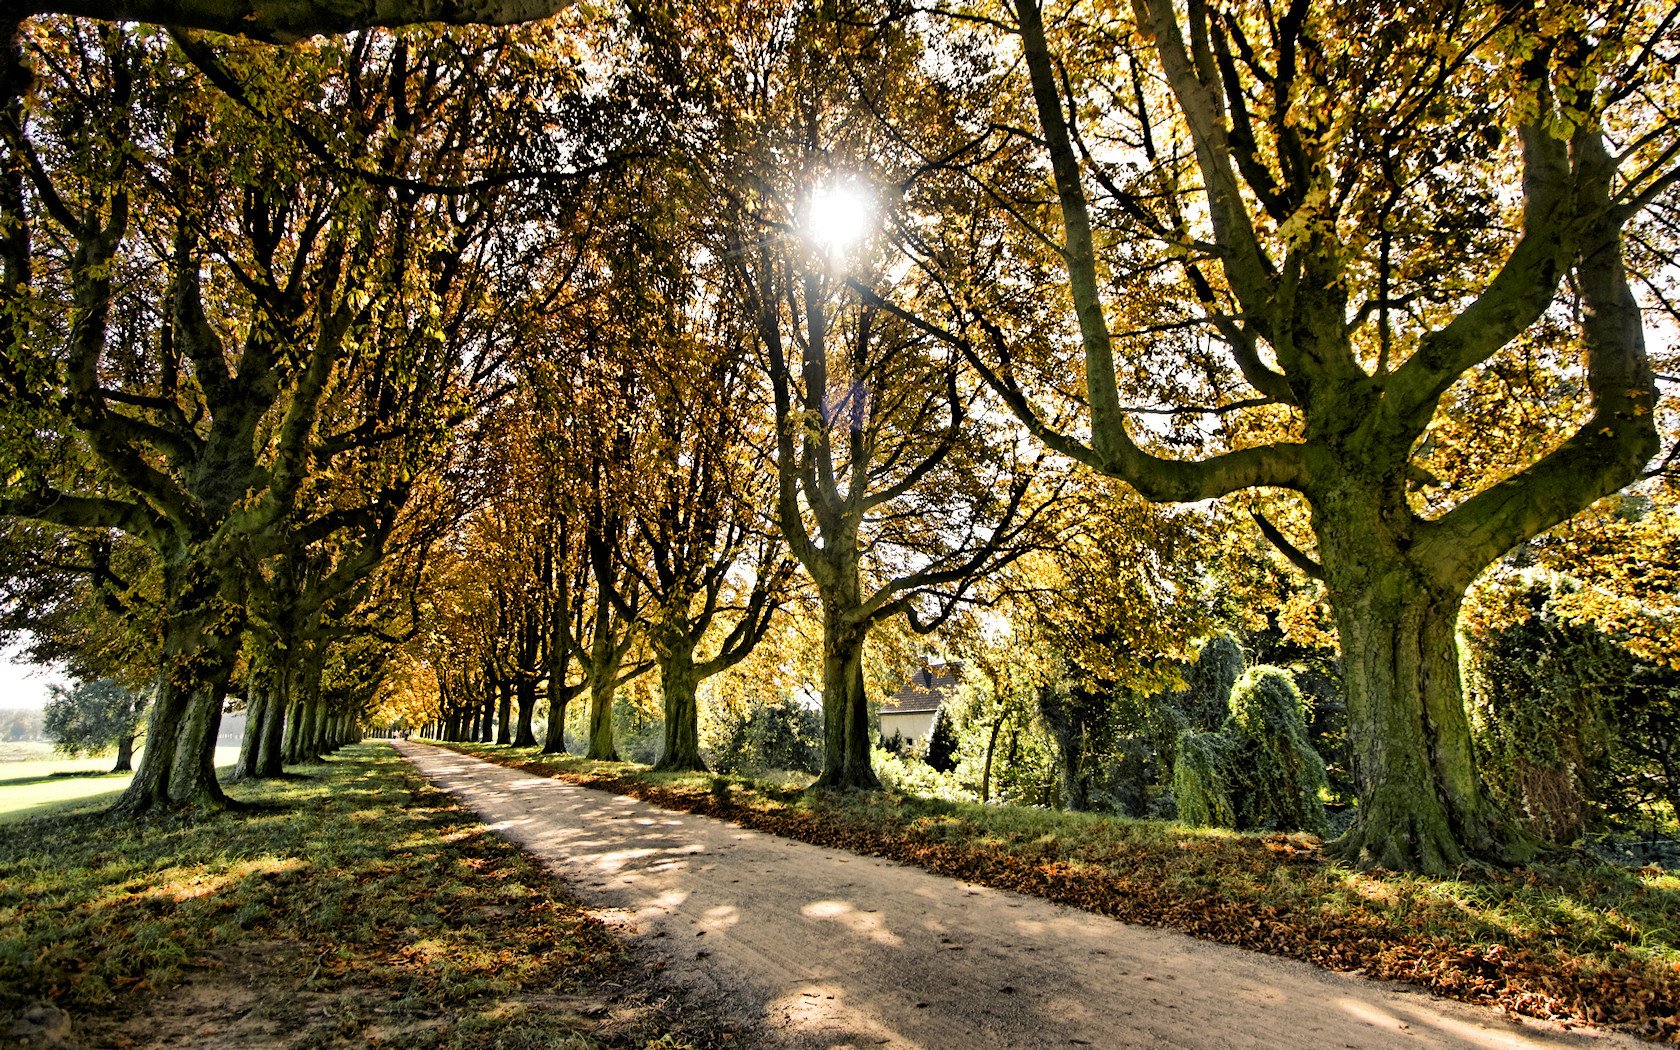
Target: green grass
[355,886]
[1571,939]
[32,786]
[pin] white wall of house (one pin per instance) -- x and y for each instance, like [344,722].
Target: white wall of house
[913,726]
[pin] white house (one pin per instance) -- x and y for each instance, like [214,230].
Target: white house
[909,712]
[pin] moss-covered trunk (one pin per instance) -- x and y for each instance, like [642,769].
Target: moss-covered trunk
[846,739]
[178,764]
[602,687]
[192,781]
[149,790]
[605,657]
[678,685]
[315,733]
[559,697]
[259,702]
[1422,804]
[270,745]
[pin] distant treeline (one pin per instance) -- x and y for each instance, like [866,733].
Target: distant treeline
[20,724]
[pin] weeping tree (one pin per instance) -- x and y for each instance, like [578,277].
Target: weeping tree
[1258,770]
[1284,781]
[1202,783]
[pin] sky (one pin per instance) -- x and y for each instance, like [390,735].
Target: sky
[24,684]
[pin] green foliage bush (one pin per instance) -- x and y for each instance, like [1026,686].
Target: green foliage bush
[785,735]
[638,736]
[1202,785]
[942,742]
[1259,770]
[1573,731]
[1283,780]
[1080,717]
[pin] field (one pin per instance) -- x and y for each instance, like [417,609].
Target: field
[35,780]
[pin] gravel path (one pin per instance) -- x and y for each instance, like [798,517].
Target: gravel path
[812,947]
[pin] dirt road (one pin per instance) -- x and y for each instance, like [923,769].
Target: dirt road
[828,949]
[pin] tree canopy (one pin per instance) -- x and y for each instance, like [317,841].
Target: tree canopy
[420,375]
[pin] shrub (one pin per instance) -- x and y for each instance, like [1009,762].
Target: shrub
[1282,776]
[1202,783]
[769,736]
[942,742]
[1572,729]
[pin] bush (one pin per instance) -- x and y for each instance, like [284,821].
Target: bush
[637,735]
[1283,777]
[1572,729]
[942,743]
[1202,783]
[1258,770]
[770,736]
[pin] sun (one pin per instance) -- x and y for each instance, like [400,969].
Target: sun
[838,215]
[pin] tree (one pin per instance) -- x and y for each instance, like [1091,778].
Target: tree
[1258,770]
[212,412]
[1337,219]
[942,742]
[95,717]
[1284,778]
[295,21]
[707,562]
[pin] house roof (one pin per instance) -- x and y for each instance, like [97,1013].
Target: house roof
[925,691]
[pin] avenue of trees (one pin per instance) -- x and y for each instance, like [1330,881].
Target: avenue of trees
[1270,405]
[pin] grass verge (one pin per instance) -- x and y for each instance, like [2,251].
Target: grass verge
[354,906]
[1575,941]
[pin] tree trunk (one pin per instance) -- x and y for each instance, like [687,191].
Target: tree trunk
[178,764]
[1422,804]
[606,657]
[991,749]
[192,781]
[270,746]
[487,716]
[678,683]
[1076,786]
[602,687]
[846,743]
[125,755]
[315,734]
[259,703]
[296,714]
[559,695]
[525,736]
[504,711]
[558,698]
